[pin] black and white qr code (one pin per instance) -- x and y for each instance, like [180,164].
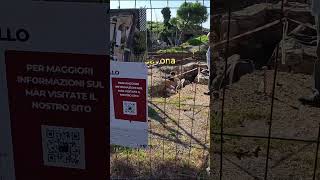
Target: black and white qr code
[63,147]
[129,108]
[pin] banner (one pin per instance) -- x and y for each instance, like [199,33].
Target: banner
[128,104]
[53,89]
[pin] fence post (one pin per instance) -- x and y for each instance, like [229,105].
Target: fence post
[316,158]
[199,72]
[211,138]
[264,79]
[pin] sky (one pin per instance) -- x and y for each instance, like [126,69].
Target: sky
[156,13]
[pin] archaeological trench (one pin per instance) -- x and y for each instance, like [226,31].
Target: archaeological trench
[255,33]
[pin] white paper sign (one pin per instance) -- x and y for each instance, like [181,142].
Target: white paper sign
[129,103]
[51,27]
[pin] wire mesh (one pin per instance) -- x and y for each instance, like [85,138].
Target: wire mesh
[179,122]
[281,154]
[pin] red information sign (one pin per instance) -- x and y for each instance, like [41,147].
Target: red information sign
[59,118]
[129,96]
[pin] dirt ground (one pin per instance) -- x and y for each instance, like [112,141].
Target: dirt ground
[247,112]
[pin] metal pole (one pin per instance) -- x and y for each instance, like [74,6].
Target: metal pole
[224,91]
[272,100]
[317,152]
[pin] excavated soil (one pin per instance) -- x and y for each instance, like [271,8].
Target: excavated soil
[247,112]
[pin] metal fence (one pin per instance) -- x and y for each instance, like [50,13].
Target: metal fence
[178,124]
[286,143]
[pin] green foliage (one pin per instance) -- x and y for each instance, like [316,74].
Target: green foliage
[139,42]
[157,27]
[164,35]
[200,40]
[174,21]
[192,13]
[189,17]
[173,50]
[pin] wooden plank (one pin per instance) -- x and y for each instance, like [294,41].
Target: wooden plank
[303,24]
[248,33]
[184,72]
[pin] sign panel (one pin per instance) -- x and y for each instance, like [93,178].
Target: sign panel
[129,98]
[128,104]
[53,91]
[63,98]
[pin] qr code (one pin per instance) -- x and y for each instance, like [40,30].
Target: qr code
[129,108]
[63,147]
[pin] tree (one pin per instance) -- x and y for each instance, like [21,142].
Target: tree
[166,13]
[175,24]
[192,13]
[139,42]
[167,34]
[190,16]
[174,21]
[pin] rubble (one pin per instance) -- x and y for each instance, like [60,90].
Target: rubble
[237,67]
[202,78]
[186,71]
[299,51]
[250,26]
